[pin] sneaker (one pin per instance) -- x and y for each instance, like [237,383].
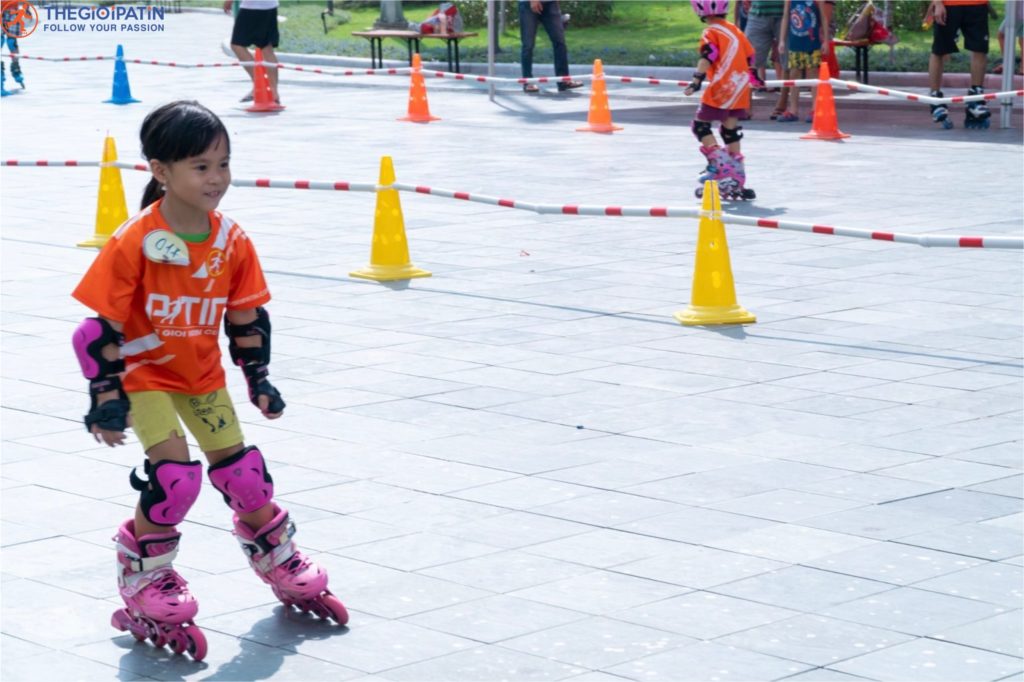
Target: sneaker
[531,88]
[569,85]
[247,98]
[788,117]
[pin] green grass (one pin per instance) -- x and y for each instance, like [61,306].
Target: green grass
[655,33]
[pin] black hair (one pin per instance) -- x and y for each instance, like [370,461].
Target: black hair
[177,131]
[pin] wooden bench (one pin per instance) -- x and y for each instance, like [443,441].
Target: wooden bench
[412,42]
[860,55]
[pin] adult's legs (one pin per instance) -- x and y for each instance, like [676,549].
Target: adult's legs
[528,23]
[551,17]
[243,55]
[272,72]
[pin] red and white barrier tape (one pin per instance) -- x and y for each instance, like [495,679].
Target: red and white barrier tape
[626,80]
[928,240]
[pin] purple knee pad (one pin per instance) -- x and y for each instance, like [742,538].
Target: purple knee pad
[89,339]
[170,492]
[243,480]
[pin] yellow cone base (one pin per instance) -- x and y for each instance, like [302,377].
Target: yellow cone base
[389,273]
[697,315]
[97,242]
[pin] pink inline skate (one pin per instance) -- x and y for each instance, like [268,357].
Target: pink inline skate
[728,171]
[158,604]
[295,579]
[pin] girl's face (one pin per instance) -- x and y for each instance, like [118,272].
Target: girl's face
[198,181]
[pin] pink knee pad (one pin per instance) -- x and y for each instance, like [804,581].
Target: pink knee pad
[170,492]
[243,480]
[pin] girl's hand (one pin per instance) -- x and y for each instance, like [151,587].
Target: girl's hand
[264,406]
[108,437]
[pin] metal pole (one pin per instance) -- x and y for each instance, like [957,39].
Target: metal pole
[1010,49]
[490,47]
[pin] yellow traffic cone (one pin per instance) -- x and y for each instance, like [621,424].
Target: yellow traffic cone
[111,208]
[389,252]
[713,296]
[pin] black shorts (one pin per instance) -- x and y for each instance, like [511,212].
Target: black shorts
[971,20]
[256,27]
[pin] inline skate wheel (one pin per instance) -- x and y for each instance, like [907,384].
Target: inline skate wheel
[699,192]
[947,124]
[194,642]
[335,608]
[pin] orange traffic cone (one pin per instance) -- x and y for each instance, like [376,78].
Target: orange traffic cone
[262,95]
[599,119]
[419,109]
[825,127]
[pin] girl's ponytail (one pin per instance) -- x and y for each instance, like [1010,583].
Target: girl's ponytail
[154,190]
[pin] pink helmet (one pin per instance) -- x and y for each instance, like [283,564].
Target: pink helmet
[710,8]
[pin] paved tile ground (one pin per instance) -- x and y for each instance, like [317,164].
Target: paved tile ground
[523,468]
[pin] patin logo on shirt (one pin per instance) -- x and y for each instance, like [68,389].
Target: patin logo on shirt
[185,311]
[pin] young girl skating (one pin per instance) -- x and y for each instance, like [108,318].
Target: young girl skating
[726,60]
[161,287]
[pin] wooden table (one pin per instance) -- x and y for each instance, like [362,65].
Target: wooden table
[412,42]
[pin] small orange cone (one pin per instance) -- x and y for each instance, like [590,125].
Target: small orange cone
[825,126]
[599,119]
[262,95]
[419,109]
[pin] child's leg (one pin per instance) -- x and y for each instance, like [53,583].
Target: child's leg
[731,135]
[794,92]
[703,132]
[174,449]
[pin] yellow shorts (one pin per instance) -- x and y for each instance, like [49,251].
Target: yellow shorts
[209,417]
[804,60]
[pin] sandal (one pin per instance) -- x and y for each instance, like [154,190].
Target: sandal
[531,88]
[776,113]
[247,98]
[569,85]
[788,117]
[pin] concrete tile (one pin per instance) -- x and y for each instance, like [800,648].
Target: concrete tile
[485,663]
[697,525]
[514,529]
[893,563]
[802,588]
[1002,634]
[416,551]
[505,571]
[599,592]
[791,544]
[785,505]
[708,661]
[703,615]
[927,660]
[971,539]
[912,611]
[601,548]
[63,666]
[815,640]
[596,643]
[698,567]
[405,594]
[994,583]
[495,618]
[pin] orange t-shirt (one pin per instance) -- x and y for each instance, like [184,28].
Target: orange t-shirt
[728,80]
[172,313]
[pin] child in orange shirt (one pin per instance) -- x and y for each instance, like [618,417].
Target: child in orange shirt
[726,60]
[160,287]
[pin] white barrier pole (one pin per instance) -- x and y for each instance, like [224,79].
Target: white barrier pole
[1010,49]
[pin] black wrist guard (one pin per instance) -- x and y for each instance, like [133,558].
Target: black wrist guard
[697,82]
[256,378]
[254,361]
[113,414]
